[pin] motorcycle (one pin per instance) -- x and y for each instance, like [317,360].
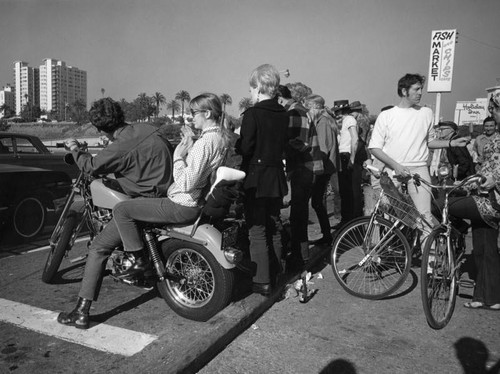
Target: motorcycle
[192,264]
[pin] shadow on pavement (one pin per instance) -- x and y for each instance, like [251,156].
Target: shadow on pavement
[129,305]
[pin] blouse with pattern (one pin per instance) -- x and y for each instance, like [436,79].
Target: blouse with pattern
[192,174]
[490,168]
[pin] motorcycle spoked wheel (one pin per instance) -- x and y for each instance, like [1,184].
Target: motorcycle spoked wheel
[208,287]
[58,251]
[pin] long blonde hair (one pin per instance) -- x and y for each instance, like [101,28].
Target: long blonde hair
[212,102]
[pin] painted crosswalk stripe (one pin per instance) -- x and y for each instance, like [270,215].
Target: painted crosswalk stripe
[101,337]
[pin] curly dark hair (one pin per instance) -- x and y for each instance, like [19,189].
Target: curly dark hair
[106,115]
[409,80]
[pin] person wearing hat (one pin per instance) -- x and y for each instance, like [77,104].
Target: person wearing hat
[349,175]
[140,157]
[401,139]
[483,211]
[458,158]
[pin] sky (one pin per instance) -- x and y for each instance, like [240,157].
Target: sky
[341,49]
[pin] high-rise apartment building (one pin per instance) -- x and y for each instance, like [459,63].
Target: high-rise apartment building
[61,85]
[7,98]
[26,85]
[52,86]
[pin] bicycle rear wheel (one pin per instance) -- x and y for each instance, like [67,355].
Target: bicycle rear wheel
[438,279]
[370,259]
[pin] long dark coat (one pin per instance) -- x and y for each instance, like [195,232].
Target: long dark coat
[263,137]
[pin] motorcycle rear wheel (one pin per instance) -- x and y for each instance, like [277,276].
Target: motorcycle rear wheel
[208,288]
[60,248]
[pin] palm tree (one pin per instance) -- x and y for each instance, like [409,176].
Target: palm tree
[143,102]
[159,100]
[226,99]
[5,110]
[182,96]
[245,103]
[174,106]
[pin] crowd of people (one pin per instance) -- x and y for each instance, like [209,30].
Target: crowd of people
[288,145]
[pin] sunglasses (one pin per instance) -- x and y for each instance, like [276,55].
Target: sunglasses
[195,112]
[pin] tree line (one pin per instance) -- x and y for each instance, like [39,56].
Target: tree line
[143,108]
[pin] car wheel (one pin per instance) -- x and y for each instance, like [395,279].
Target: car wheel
[28,218]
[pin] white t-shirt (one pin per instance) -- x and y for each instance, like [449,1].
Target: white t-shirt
[345,135]
[403,134]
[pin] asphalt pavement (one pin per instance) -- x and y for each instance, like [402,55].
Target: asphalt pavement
[333,332]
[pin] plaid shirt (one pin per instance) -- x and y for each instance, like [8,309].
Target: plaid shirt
[192,174]
[303,148]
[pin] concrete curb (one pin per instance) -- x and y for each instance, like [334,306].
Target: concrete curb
[223,328]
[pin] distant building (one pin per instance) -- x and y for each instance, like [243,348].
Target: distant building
[469,113]
[473,112]
[26,83]
[52,86]
[61,85]
[7,97]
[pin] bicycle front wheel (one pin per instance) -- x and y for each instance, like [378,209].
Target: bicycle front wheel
[370,258]
[438,279]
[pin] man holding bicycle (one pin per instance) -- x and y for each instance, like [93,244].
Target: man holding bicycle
[402,137]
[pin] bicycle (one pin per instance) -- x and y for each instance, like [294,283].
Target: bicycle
[442,258]
[371,255]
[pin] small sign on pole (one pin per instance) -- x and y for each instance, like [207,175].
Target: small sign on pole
[441,60]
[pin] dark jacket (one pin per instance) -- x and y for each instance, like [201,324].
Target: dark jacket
[140,158]
[262,142]
[460,156]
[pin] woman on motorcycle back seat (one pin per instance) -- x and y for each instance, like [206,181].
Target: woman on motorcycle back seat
[194,162]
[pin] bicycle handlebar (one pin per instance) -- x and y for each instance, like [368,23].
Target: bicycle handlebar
[476,178]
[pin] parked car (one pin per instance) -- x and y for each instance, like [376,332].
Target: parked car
[28,150]
[26,193]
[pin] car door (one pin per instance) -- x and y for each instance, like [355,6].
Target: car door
[7,151]
[31,154]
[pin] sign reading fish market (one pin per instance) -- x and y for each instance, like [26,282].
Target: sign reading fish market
[441,60]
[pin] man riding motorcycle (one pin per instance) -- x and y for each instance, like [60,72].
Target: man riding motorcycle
[140,158]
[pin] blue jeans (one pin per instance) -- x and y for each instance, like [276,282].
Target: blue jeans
[102,246]
[264,231]
[152,210]
[156,210]
[301,182]
[351,196]
[318,204]
[485,250]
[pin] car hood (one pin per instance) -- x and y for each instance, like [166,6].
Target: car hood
[7,168]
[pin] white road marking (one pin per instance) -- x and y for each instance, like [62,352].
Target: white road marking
[102,337]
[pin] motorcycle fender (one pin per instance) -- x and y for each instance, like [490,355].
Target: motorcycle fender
[206,235]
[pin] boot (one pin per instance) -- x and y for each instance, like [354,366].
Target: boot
[141,264]
[78,317]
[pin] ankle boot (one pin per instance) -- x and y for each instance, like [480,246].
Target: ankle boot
[78,317]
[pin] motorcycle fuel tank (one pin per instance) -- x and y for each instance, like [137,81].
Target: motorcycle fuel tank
[104,196]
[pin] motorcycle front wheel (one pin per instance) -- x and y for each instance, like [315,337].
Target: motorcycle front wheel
[58,250]
[208,286]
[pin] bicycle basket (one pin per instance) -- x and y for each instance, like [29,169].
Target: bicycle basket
[397,205]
